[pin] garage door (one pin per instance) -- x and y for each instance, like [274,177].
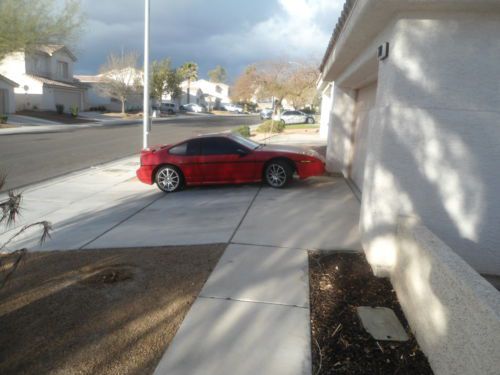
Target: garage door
[3,101]
[364,103]
[67,98]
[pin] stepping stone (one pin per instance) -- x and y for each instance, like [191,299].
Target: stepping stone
[382,323]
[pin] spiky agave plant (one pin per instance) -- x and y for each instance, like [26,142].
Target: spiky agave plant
[10,208]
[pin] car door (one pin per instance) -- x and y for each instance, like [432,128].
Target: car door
[223,160]
[186,156]
[296,117]
[285,116]
[301,117]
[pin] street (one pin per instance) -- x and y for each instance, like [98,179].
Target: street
[29,158]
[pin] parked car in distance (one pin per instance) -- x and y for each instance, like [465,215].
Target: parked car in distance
[294,117]
[233,108]
[266,114]
[169,107]
[193,107]
[223,159]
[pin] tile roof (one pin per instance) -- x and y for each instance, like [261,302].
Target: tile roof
[348,5]
[50,49]
[9,81]
[89,79]
[51,82]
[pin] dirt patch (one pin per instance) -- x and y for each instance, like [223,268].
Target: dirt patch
[111,311]
[338,284]
[64,118]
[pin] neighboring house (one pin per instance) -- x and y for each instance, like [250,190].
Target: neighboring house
[97,97]
[7,96]
[210,94]
[45,78]
[411,98]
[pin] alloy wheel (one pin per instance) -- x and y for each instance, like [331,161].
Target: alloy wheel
[276,175]
[168,179]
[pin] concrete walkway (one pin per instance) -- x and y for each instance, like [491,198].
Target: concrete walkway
[252,315]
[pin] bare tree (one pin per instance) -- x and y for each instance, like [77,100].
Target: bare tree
[120,77]
[26,24]
[293,81]
[245,87]
[9,211]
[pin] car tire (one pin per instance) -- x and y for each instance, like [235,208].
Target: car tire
[169,179]
[278,174]
[310,120]
[283,122]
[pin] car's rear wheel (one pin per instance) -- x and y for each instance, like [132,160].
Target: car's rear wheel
[169,179]
[310,120]
[278,173]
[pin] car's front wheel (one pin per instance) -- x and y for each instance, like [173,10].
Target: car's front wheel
[169,179]
[310,120]
[278,174]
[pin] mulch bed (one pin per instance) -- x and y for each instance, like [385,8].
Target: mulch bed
[64,118]
[340,282]
[110,311]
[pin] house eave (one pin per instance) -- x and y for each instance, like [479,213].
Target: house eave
[364,19]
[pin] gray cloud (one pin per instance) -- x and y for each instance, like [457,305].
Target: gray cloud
[232,33]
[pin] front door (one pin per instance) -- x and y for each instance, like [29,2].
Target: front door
[223,160]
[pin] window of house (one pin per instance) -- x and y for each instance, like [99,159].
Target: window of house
[62,69]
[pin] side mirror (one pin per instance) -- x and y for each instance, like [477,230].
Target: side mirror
[241,152]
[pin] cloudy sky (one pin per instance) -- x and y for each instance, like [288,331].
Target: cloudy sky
[232,33]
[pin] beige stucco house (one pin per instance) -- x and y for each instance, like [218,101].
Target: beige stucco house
[411,100]
[45,78]
[7,96]
[97,97]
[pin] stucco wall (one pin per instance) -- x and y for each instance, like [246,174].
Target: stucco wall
[10,100]
[453,311]
[434,136]
[365,101]
[339,146]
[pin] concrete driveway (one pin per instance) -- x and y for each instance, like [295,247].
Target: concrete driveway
[252,316]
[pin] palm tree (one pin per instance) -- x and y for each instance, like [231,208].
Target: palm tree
[189,71]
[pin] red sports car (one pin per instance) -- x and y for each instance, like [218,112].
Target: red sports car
[225,158]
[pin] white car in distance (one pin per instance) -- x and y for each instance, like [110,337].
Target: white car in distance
[294,117]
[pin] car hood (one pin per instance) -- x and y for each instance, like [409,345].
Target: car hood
[284,148]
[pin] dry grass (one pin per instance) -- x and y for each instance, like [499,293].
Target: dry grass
[110,311]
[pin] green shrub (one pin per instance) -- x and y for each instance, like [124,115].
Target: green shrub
[59,109]
[270,126]
[3,119]
[243,130]
[74,110]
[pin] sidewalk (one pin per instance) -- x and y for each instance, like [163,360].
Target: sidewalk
[252,315]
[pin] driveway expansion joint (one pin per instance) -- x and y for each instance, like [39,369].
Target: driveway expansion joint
[122,221]
[248,301]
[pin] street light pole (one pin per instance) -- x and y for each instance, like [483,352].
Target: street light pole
[146,108]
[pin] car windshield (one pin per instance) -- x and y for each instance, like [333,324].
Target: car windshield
[245,142]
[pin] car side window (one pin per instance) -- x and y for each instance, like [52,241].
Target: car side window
[218,146]
[179,149]
[193,147]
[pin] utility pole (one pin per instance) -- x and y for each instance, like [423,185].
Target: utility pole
[146,108]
